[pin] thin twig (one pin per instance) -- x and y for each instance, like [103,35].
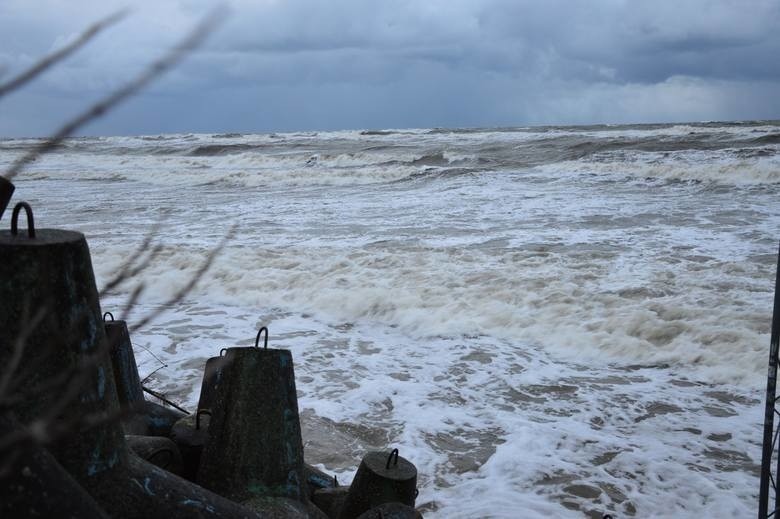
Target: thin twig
[150,375]
[186,289]
[158,359]
[193,39]
[128,269]
[57,56]
[132,300]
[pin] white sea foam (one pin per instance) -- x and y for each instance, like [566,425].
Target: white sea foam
[537,334]
[572,306]
[493,427]
[722,167]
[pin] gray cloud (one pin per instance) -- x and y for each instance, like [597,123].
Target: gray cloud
[299,64]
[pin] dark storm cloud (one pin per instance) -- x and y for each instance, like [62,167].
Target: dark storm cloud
[297,64]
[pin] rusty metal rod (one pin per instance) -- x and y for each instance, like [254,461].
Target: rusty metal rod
[769,412]
[161,397]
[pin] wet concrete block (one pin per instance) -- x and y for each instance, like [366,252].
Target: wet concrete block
[330,500]
[381,478]
[254,446]
[157,450]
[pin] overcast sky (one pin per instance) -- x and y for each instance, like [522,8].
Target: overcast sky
[283,65]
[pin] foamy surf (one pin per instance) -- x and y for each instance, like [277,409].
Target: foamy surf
[562,321]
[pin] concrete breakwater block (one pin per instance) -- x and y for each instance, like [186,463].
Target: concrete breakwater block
[212,373]
[330,500]
[212,377]
[381,478]
[157,450]
[189,434]
[284,507]
[128,383]
[66,379]
[391,511]
[35,485]
[316,480]
[145,418]
[254,447]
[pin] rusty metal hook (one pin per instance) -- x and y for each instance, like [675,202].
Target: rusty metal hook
[257,340]
[394,452]
[197,417]
[108,314]
[30,220]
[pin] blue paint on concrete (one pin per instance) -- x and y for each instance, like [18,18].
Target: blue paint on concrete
[101,382]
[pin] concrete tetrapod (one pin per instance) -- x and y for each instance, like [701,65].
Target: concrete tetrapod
[212,377]
[50,322]
[190,434]
[316,480]
[36,473]
[381,478]
[254,449]
[157,450]
[391,511]
[145,418]
[330,500]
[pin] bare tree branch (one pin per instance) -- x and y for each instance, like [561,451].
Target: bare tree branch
[57,56]
[128,273]
[193,39]
[129,267]
[132,300]
[186,289]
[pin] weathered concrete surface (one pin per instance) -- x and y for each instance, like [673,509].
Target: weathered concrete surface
[150,419]
[34,474]
[316,479]
[391,511]
[190,434]
[254,446]
[143,417]
[157,450]
[381,478]
[53,273]
[330,500]
[120,348]
[212,377]
[66,379]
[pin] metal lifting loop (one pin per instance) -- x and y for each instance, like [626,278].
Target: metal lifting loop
[197,416]
[257,340]
[30,220]
[108,314]
[222,351]
[394,452]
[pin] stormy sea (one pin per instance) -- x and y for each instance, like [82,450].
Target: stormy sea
[547,321]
